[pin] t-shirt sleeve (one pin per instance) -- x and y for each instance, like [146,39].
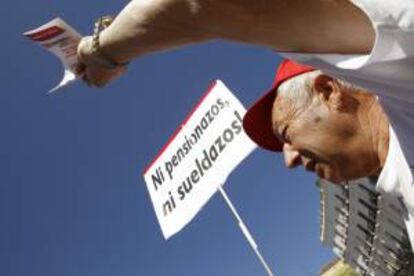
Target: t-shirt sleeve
[391,60]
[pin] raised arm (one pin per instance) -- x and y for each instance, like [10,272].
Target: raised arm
[146,26]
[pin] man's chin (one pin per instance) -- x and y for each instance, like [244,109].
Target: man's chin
[329,175]
[335,180]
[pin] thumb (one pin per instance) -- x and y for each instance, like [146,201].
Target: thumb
[85,50]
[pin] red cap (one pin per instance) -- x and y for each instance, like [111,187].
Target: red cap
[257,122]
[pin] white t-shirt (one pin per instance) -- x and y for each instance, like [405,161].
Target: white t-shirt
[396,178]
[387,71]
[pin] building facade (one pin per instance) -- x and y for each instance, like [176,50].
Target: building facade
[364,228]
[337,268]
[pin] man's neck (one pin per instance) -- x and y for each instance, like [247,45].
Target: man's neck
[379,127]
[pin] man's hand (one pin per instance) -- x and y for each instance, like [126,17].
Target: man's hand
[93,73]
[142,27]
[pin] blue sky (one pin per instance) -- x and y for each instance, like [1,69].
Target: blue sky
[72,197]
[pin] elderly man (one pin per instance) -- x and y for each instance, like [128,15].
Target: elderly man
[333,128]
[369,43]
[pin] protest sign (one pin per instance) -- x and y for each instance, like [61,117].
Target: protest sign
[198,158]
[61,40]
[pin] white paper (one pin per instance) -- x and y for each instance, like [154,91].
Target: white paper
[61,40]
[198,159]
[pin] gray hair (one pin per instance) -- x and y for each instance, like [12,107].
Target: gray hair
[298,89]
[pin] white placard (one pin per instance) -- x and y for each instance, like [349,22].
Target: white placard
[198,159]
[61,40]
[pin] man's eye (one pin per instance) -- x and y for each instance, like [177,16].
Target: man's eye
[284,134]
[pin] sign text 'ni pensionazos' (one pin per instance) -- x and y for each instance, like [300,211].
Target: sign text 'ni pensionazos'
[198,159]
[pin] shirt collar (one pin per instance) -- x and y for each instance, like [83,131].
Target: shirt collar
[395,177]
[388,178]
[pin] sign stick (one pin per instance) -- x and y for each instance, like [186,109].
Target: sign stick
[246,232]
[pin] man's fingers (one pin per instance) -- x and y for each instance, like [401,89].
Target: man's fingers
[80,69]
[98,77]
[91,72]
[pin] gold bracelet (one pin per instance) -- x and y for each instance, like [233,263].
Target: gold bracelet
[99,57]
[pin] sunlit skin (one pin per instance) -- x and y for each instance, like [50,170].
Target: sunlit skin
[340,135]
[147,26]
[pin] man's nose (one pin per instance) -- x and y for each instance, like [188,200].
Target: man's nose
[292,156]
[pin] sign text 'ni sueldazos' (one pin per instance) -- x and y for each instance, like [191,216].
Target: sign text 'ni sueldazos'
[205,149]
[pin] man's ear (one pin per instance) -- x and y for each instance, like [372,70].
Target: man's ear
[330,91]
[324,86]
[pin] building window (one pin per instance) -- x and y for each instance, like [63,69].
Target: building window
[370,222]
[342,200]
[402,242]
[396,225]
[372,210]
[342,211]
[369,191]
[397,210]
[365,244]
[368,235]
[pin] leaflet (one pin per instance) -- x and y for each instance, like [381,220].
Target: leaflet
[62,40]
